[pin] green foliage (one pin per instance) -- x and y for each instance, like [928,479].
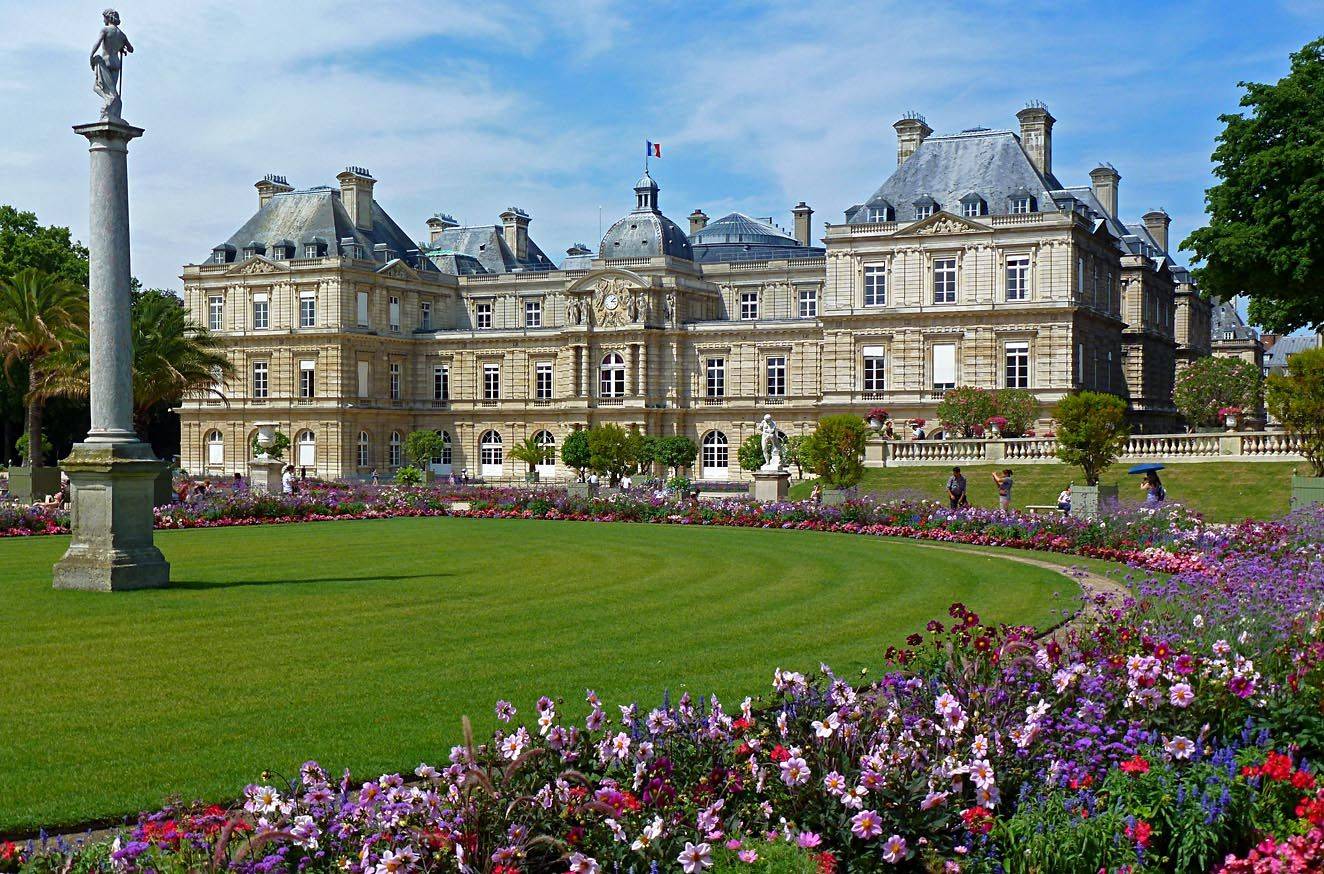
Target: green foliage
[1266,215]
[173,355]
[750,453]
[1212,383]
[835,451]
[25,244]
[1091,431]
[408,475]
[1296,398]
[613,451]
[793,454]
[422,446]
[532,453]
[22,446]
[276,451]
[675,452]
[963,408]
[680,485]
[781,857]
[1019,407]
[1050,834]
[575,451]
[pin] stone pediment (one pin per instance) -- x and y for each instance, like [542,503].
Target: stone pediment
[942,223]
[256,266]
[398,269]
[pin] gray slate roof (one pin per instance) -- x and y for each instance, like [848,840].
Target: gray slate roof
[1225,319]
[485,244]
[1275,358]
[738,237]
[989,163]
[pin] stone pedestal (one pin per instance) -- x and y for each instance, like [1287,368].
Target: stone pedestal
[264,475]
[111,549]
[770,485]
[1307,491]
[27,484]
[1088,502]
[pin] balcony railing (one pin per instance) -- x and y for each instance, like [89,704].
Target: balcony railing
[1228,446]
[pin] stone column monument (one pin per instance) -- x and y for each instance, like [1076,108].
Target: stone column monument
[111,473]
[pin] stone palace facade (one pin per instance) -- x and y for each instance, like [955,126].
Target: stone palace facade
[970,265]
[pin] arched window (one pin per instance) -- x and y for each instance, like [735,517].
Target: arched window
[394,458]
[306,443]
[363,449]
[715,456]
[490,456]
[215,448]
[613,376]
[441,464]
[545,439]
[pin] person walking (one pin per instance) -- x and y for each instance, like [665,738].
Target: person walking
[287,480]
[1004,484]
[1155,494]
[956,490]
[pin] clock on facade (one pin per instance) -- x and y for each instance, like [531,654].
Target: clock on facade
[610,301]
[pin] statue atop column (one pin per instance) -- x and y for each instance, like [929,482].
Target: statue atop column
[108,65]
[770,441]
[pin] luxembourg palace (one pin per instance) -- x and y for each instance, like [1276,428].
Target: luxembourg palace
[971,264]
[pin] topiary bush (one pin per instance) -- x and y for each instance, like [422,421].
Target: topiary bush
[1091,432]
[835,451]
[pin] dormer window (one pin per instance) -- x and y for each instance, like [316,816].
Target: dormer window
[315,248]
[283,251]
[881,213]
[222,254]
[1020,202]
[925,207]
[254,248]
[973,206]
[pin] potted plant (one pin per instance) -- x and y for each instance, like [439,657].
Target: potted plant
[1296,398]
[532,453]
[996,425]
[877,416]
[576,455]
[835,452]
[420,448]
[962,409]
[1091,433]
[1229,415]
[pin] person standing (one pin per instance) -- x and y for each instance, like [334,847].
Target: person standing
[1004,484]
[287,480]
[956,490]
[1155,494]
[919,430]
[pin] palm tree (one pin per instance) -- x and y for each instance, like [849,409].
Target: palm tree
[41,316]
[531,452]
[173,357]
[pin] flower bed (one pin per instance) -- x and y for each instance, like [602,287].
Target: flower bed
[1174,731]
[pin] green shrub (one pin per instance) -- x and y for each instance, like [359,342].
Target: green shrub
[1212,383]
[1296,399]
[965,408]
[575,452]
[422,446]
[835,451]
[675,452]
[750,453]
[21,445]
[1091,432]
[409,475]
[1019,407]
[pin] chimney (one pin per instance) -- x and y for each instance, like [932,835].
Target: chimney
[911,130]
[356,193]
[1156,222]
[1037,135]
[515,228]
[804,223]
[1104,179]
[269,186]
[698,221]
[1268,341]
[438,224]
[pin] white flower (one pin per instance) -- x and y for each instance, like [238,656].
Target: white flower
[620,745]
[581,864]
[826,727]
[794,771]
[982,773]
[651,832]
[694,859]
[1180,695]
[1180,747]
[1198,621]
[979,746]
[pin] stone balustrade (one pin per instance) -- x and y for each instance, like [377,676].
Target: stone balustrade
[1228,446]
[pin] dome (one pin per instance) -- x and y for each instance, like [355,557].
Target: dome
[646,232]
[740,228]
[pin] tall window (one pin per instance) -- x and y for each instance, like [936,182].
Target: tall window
[425,314]
[548,443]
[542,378]
[533,314]
[1080,363]
[1108,372]
[808,303]
[716,377]
[1017,358]
[1018,277]
[361,300]
[394,371]
[307,378]
[365,379]
[1080,279]
[261,311]
[215,447]
[483,315]
[393,312]
[306,449]
[715,455]
[875,285]
[612,371]
[749,305]
[776,377]
[394,458]
[441,382]
[307,308]
[215,312]
[444,460]
[363,449]
[944,366]
[259,379]
[944,280]
[491,382]
[490,454]
[875,365]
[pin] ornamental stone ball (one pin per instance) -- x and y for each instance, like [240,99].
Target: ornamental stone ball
[108,65]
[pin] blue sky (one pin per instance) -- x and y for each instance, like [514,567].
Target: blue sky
[470,107]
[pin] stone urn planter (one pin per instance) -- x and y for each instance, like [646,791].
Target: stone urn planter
[836,497]
[1307,490]
[266,435]
[27,484]
[1090,501]
[581,490]
[875,424]
[531,476]
[1230,421]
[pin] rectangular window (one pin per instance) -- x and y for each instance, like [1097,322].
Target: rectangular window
[1020,205]
[261,312]
[1080,279]
[749,305]
[1108,372]
[483,316]
[875,363]
[441,382]
[543,381]
[491,382]
[307,381]
[215,312]
[716,372]
[1017,368]
[1080,363]
[307,309]
[310,250]
[533,314]
[1018,278]
[259,379]
[972,208]
[365,379]
[777,377]
[362,300]
[218,256]
[395,380]
[875,285]
[393,309]
[877,214]
[944,366]
[944,280]
[923,212]
[425,315]
[808,303]
[1111,296]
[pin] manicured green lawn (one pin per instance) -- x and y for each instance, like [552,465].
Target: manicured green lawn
[1222,491]
[362,643]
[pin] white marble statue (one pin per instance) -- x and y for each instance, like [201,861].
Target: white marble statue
[108,65]
[770,441]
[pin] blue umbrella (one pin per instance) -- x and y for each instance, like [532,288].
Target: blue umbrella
[1145,468]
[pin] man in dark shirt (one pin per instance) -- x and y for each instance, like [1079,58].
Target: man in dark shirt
[956,490]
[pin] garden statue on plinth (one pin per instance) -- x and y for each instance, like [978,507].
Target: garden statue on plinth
[772,480]
[112,472]
[268,447]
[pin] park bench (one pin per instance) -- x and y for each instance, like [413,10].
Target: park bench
[1042,508]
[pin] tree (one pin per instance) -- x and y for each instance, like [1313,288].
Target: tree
[531,452]
[25,244]
[422,446]
[1019,407]
[1212,383]
[575,452]
[173,357]
[675,452]
[40,316]
[613,451]
[793,454]
[1296,398]
[1265,235]
[965,408]
[750,453]
[1091,431]
[835,451]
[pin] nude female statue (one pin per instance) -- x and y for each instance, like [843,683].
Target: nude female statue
[107,64]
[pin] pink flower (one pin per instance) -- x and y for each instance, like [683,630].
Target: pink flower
[866,825]
[894,849]
[695,858]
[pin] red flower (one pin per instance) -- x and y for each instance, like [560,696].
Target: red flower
[827,863]
[1135,765]
[1140,833]
[779,753]
[978,820]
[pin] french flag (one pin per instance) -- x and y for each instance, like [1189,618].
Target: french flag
[654,149]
